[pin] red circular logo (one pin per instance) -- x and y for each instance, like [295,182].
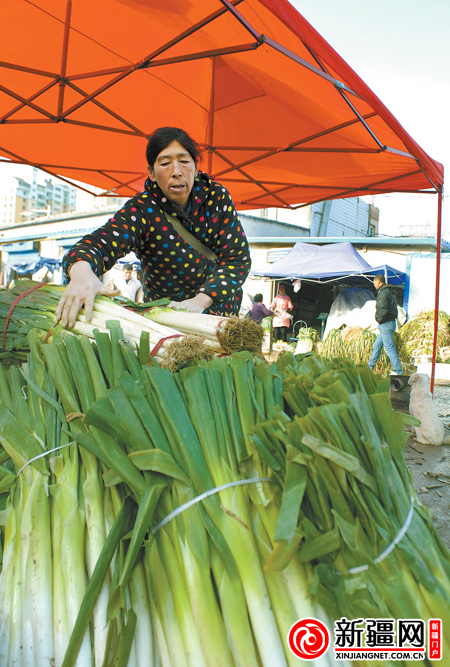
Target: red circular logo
[308,638]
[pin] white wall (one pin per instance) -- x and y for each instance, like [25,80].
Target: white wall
[422,285]
[300,216]
[379,257]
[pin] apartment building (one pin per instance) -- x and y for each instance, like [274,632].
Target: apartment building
[23,199]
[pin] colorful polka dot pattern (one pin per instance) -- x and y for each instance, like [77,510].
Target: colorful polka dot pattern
[172,268]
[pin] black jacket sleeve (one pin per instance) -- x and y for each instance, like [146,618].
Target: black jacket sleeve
[386,308]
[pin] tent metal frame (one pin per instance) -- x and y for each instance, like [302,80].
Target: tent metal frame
[154,59]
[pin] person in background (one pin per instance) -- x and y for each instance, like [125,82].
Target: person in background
[386,315]
[128,286]
[259,311]
[281,305]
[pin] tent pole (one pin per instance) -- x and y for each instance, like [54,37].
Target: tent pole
[211,117]
[436,296]
[65,50]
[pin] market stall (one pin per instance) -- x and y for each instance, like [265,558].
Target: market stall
[316,275]
[178,519]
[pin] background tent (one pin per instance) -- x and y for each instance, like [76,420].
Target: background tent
[326,262]
[392,276]
[316,262]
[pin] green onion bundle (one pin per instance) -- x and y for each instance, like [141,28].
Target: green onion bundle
[37,310]
[196,594]
[130,575]
[231,334]
[340,456]
[358,350]
[417,334]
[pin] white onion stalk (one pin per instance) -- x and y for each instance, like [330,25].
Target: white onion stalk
[65,496]
[206,325]
[115,312]
[93,492]
[130,334]
[167,623]
[161,642]
[37,590]
[144,638]
[61,633]
[121,315]
[10,580]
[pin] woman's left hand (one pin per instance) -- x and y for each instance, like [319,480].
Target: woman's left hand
[197,304]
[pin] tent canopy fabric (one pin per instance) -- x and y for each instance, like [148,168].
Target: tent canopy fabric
[392,276]
[321,263]
[315,262]
[21,268]
[281,119]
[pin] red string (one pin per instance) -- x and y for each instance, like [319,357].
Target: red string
[161,341]
[50,331]
[13,305]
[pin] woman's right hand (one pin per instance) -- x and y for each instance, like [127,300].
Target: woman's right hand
[81,291]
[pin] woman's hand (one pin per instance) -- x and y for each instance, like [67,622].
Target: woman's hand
[82,290]
[197,304]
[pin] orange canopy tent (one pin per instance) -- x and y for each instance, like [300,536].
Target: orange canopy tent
[282,120]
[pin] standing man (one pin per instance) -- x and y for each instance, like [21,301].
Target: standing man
[385,314]
[128,286]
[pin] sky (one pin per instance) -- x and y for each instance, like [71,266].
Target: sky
[401,49]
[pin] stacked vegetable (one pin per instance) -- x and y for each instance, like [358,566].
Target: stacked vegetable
[233,334]
[130,575]
[413,339]
[146,446]
[417,335]
[370,545]
[358,347]
[29,305]
[307,337]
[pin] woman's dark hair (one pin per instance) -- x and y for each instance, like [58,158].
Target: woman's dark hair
[163,136]
[258,298]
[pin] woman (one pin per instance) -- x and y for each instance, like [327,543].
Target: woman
[281,305]
[259,311]
[183,228]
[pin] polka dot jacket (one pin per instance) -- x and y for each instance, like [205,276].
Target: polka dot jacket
[171,267]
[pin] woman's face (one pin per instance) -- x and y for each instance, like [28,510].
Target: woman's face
[174,171]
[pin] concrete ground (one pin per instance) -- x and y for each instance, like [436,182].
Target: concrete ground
[430,468]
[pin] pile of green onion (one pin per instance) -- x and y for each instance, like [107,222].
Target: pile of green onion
[37,310]
[96,570]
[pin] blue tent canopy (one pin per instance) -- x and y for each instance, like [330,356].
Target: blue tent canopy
[392,276]
[21,268]
[325,263]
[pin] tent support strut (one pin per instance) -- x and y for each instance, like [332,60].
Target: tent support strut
[438,280]
[65,50]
